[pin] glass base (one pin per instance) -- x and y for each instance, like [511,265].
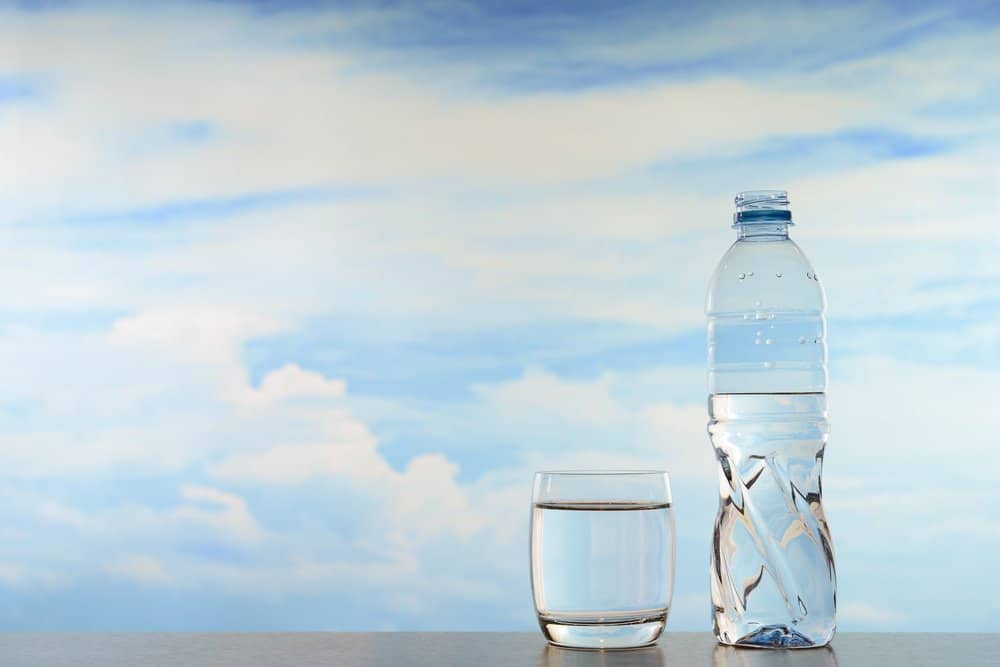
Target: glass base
[571,633]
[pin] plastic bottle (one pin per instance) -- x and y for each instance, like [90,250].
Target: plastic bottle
[772,569]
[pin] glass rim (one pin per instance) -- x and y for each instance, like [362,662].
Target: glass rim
[601,473]
[602,485]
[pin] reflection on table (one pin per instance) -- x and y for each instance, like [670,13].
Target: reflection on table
[729,656]
[720,656]
[553,656]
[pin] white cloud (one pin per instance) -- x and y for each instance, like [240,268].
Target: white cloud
[204,513]
[538,395]
[346,128]
[59,453]
[17,577]
[432,503]
[423,501]
[291,381]
[560,423]
[70,516]
[950,196]
[973,528]
[292,118]
[293,464]
[679,432]
[916,74]
[218,511]
[141,569]
[192,334]
[868,614]
[894,413]
[10,574]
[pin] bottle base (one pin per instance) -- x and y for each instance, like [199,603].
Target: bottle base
[775,636]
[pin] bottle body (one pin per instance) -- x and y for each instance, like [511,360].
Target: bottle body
[773,580]
[772,573]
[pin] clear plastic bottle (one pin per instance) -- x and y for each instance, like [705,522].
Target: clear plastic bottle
[772,572]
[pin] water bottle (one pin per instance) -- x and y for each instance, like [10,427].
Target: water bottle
[772,573]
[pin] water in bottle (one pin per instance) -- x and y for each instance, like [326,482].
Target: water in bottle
[772,573]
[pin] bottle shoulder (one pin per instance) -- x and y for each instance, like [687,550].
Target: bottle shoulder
[772,275]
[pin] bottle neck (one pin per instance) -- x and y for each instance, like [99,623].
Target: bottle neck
[768,231]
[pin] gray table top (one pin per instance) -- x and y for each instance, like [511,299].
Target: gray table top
[477,649]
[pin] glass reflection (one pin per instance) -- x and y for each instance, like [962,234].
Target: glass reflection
[554,656]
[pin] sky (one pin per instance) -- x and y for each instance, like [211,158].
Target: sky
[299,296]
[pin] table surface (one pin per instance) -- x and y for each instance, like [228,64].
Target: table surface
[476,649]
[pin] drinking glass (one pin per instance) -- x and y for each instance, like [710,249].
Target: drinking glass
[602,557]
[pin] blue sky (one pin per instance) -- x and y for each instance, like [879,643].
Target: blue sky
[300,297]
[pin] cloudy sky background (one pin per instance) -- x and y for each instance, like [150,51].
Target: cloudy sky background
[296,299]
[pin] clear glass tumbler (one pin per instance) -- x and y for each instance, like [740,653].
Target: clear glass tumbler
[602,557]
